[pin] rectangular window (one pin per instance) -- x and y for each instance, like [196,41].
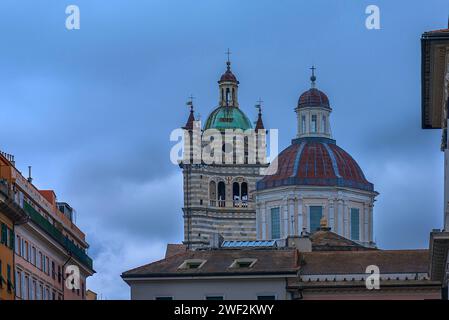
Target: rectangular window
[53,271]
[39,292]
[47,265]
[8,238]
[314,123]
[33,256]
[18,251]
[25,286]
[316,213]
[59,274]
[26,251]
[19,283]
[39,261]
[22,248]
[4,236]
[32,289]
[8,277]
[355,224]
[303,124]
[275,224]
[323,124]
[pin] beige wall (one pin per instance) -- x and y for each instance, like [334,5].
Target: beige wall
[196,289]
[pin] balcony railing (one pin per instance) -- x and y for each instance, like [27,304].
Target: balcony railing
[57,235]
[231,204]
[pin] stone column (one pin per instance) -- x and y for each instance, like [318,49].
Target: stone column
[371,222]
[292,215]
[300,217]
[366,222]
[340,219]
[345,220]
[285,218]
[331,215]
[264,234]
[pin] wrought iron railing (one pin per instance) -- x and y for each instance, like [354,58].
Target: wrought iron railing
[57,235]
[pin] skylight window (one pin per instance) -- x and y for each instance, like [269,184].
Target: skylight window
[243,263]
[192,264]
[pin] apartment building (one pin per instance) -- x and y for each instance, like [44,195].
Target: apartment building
[50,251]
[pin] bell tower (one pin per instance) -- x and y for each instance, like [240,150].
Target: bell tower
[219,197]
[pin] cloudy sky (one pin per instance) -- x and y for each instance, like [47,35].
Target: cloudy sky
[92,109]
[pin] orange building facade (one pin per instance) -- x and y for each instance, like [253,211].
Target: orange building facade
[49,252]
[6,256]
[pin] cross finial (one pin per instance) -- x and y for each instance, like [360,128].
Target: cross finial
[259,105]
[313,77]
[190,102]
[228,62]
[228,53]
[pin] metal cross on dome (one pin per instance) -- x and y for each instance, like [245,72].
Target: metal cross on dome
[228,53]
[313,77]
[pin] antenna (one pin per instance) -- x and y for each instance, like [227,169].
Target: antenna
[30,179]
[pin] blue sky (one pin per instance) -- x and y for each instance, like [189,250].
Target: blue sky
[92,109]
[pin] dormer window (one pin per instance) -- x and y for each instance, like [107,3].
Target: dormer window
[192,264]
[314,123]
[243,263]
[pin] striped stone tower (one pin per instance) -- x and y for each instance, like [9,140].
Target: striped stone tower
[219,187]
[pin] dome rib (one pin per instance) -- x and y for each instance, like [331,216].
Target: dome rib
[313,98]
[316,162]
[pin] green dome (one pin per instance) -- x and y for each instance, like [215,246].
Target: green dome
[227,118]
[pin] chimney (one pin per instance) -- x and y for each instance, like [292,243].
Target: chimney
[302,243]
[216,241]
[30,179]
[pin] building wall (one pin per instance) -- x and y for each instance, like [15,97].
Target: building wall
[197,289]
[46,224]
[383,294]
[205,216]
[294,204]
[6,259]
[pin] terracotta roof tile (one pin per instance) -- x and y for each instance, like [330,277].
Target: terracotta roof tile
[218,263]
[355,262]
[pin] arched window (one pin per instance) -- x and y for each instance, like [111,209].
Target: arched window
[323,125]
[313,123]
[221,194]
[303,124]
[233,94]
[244,194]
[236,194]
[228,97]
[213,193]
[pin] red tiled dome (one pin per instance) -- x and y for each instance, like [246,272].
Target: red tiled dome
[317,162]
[313,98]
[228,76]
